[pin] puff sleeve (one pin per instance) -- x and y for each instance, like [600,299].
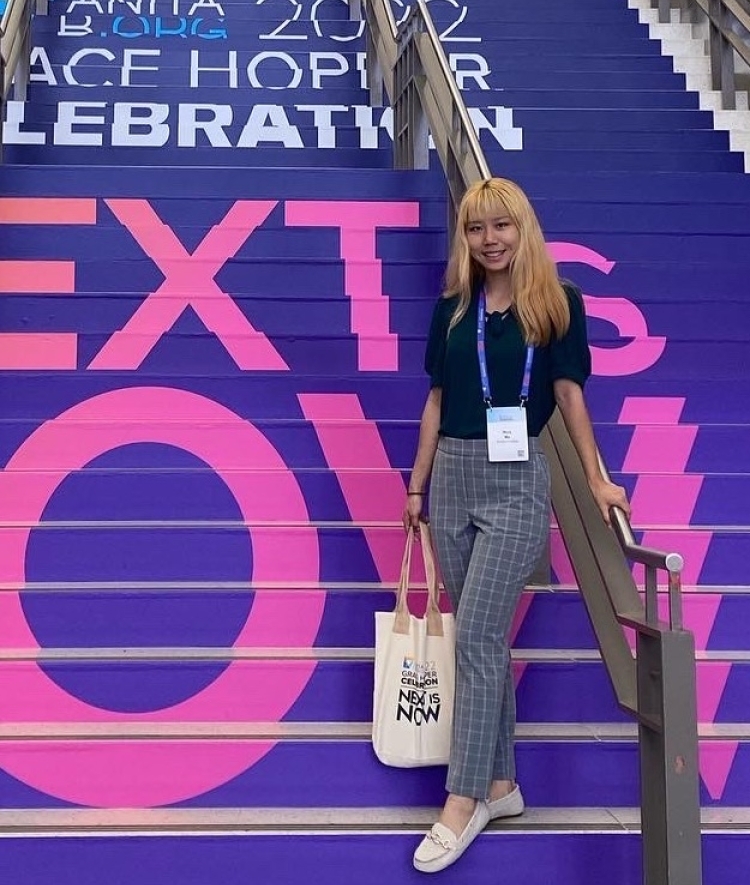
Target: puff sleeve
[570,356]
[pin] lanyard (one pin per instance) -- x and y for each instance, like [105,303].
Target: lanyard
[525,384]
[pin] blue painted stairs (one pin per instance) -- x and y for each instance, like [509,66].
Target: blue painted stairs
[176,676]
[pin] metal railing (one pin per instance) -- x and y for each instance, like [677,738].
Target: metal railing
[728,38]
[657,686]
[15,50]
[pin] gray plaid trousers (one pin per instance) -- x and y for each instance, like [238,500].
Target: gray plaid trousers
[490,523]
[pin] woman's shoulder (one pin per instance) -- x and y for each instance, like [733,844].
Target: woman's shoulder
[573,292]
[446,305]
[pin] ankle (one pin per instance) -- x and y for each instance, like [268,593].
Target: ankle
[500,789]
[460,803]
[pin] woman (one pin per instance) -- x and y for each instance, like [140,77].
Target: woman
[507,344]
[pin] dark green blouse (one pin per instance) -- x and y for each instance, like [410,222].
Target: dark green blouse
[452,363]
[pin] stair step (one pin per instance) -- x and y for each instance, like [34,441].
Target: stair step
[272,773]
[558,686]
[157,182]
[290,858]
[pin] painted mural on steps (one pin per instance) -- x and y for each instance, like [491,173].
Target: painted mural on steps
[213,376]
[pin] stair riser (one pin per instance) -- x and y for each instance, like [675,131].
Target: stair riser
[296,859]
[314,775]
[633,138]
[112,618]
[278,184]
[340,691]
[216,86]
[516,163]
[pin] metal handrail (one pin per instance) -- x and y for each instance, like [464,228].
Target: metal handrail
[724,42]
[15,50]
[14,32]
[657,686]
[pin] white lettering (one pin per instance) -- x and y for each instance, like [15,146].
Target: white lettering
[478,73]
[130,117]
[195,69]
[68,117]
[94,3]
[135,5]
[503,131]
[12,134]
[269,123]
[322,120]
[189,125]
[38,56]
[318,73]
[282,56]
[70,30]
[128,66]
[78,56]
[206,4]
[368,131]
[362,68]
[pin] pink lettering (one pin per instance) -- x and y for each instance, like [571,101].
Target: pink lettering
[37,277]
[358,223]
[47,210]
[189,282]
[35,351]
[26,351]
[668,498]
[373,494]
[151,773]
[643,350]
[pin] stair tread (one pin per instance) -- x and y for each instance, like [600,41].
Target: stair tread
[317,731]
[329,820]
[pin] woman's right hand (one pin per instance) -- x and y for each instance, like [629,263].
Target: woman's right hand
[412,515]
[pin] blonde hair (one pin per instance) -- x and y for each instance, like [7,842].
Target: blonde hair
[537,296]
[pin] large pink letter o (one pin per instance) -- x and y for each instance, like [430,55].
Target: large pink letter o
[147,773]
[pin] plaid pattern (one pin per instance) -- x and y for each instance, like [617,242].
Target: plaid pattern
[490,522]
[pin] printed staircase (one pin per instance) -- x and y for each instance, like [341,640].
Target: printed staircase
[216,294]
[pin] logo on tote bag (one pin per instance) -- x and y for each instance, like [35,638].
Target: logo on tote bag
[415,704]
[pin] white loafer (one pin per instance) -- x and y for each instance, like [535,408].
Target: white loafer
[509,806]
[441,847]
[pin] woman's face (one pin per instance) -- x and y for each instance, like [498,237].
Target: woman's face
[493,240]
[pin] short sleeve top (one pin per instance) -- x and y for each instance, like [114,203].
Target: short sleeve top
[452,363]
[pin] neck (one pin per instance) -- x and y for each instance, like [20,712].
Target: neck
[497,291]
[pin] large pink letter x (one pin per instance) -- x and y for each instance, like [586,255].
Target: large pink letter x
[189,282]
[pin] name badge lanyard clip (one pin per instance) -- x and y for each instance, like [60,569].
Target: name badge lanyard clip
[483,373]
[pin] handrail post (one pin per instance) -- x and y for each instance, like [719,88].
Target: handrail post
[23,71]
[652,601]
[668,747]
[2,102]
[411,135]
[722,54]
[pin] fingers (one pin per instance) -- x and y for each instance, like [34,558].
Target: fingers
[411,517]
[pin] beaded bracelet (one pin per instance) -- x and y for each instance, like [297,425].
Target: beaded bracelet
[421,494]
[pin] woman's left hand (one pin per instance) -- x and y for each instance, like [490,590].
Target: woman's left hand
[607,494]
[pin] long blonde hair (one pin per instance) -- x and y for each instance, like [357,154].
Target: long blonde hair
[538,299]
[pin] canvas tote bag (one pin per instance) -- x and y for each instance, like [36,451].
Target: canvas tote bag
[415,673]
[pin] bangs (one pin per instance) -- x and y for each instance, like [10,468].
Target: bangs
[487,201]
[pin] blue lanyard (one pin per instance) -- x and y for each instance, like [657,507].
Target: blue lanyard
[525,384]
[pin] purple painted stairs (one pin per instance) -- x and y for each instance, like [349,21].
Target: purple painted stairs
[215,299]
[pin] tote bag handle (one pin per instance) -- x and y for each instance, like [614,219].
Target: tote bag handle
[433,614]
